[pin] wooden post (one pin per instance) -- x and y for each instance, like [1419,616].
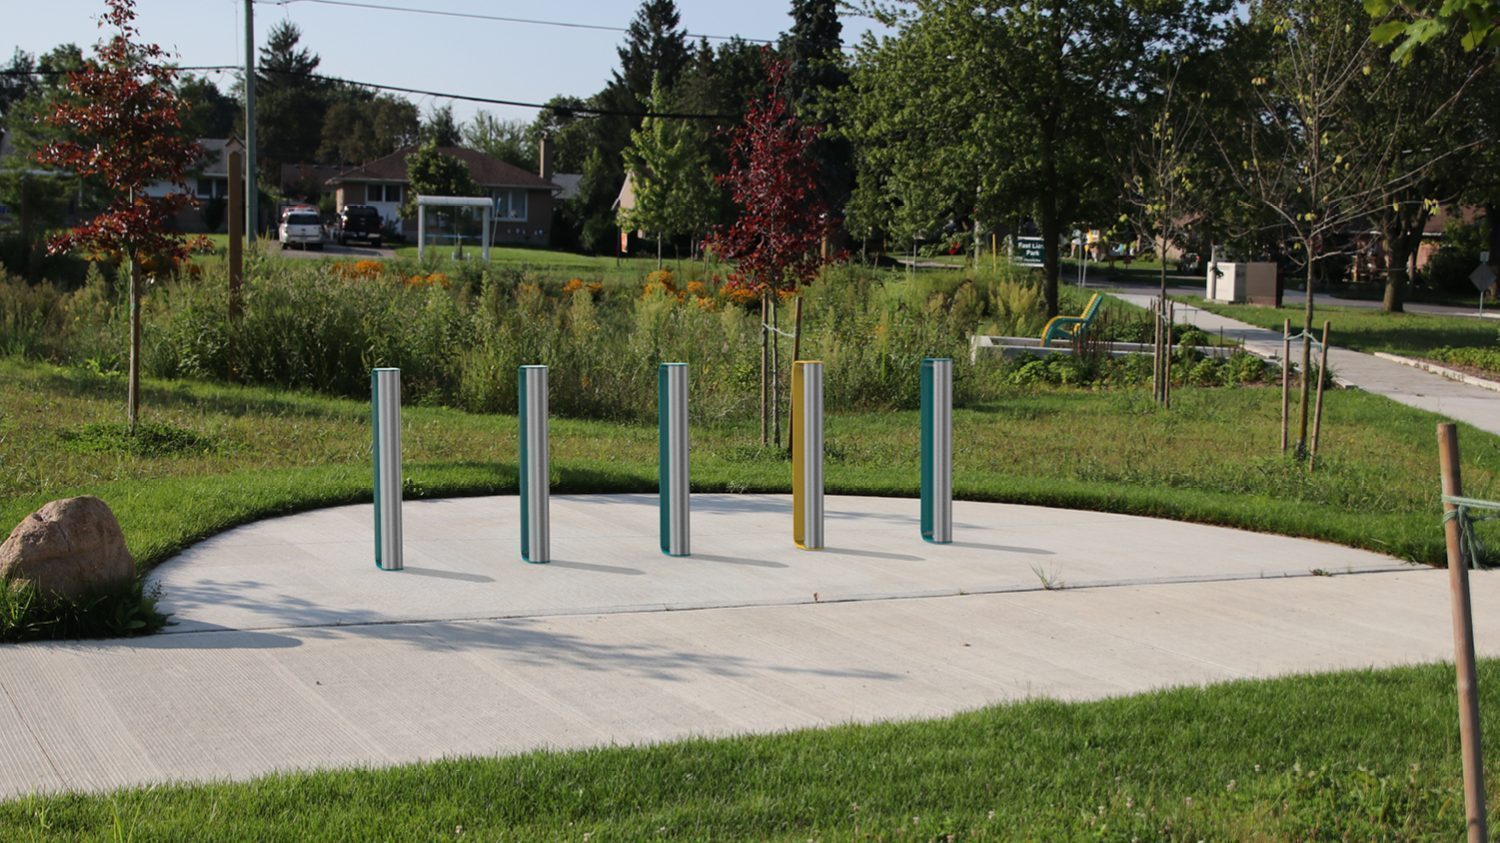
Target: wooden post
[791,430]
[236,231]
[1312,456]
[765,372]
[1463,642]
[1156,360]
[1286,381]
[775,375]
[133,384]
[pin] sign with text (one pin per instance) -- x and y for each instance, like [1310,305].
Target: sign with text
[1029,251]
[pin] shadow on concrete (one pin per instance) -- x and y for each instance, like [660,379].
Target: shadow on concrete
[602,569]
[874,554]
[1003,548]
[737,560]
[447,575]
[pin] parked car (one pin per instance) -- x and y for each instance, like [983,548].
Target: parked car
[301,228]
[358,222]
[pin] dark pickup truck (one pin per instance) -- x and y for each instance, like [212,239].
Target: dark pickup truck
[358,222]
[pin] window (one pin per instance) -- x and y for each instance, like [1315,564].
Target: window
[209,188]
[383,193]
[510,204]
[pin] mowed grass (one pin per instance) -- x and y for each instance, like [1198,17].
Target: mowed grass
[1365,755]
[1213,458]
[1370,330]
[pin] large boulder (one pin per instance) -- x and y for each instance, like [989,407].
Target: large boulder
[69,547]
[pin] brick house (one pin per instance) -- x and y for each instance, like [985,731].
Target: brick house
[523,200]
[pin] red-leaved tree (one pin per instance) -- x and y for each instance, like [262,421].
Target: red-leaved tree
[777,238]
[122,127]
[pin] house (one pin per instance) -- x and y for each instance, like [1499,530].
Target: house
[207,184]
[523,200]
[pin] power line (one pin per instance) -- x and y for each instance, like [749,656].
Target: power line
[499,18]
[585,110]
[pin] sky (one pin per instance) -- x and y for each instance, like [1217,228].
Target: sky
[503,60]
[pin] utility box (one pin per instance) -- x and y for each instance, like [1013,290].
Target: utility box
[1239,283]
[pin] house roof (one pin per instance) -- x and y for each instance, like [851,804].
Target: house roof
[486,169]
[311,176]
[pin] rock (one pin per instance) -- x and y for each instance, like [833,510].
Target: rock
[69,547]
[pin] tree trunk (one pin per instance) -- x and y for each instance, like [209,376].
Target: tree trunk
[1050,228]
[1492,213]
[1395,275]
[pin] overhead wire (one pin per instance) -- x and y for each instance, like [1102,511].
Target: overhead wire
[498,18]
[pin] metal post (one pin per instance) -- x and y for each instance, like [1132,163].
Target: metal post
[251,220]
[1463,641]
[807,454]
[536,531]
[385,426]
[421,230]
[673,478]
[937,450]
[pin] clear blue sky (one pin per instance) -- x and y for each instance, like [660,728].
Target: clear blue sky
[511,61]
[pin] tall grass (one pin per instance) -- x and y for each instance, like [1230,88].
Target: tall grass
[459,330]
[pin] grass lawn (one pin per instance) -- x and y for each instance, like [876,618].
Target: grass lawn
[249,453]
[1369,330]
[1369,755]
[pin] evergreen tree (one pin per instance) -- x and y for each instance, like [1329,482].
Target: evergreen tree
[290,104]
[816,75]
[441,129]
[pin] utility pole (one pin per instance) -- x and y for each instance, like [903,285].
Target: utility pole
[251,183]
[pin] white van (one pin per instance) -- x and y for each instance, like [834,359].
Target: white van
[301,228]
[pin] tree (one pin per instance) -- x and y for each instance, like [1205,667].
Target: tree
[1004,108]
[290,102]
[509,140]
[1417,22]
[668,168]
[207,111]
[440,129]
[655,44]
[123,112]
[17,81]
[359,128]
[777,240]
[816,77]
[38,197]
[1310,160]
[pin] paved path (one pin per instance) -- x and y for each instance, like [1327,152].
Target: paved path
[292,651]
[1411,386]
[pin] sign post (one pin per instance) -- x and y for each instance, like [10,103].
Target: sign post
[807,454]
[536,529]
[672,462]
[937,450]
[385,424]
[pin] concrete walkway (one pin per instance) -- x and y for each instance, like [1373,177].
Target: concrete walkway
[292,651]
[1410,386]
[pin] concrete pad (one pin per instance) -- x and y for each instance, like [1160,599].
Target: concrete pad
[239,703]
[463,560]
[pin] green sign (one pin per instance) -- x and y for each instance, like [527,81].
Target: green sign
[1029,251]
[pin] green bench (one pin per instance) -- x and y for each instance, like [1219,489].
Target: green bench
[1071,327]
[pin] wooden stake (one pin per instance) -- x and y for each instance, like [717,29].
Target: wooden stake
[1155,354]
[1312,455]
[1463,642]
[236,231]
[765,373]
[1286,382]
[775,375]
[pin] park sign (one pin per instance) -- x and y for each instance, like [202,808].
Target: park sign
[1029,251]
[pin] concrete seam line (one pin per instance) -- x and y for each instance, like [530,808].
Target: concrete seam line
[1450,374]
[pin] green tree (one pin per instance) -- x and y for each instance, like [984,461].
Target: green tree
[290,102]
[434,173]
[440,129]
[1004,108]
[208,112]
[509,140]
[39,197]
[1413,23]
[359,128]
[668,168]
[816,78]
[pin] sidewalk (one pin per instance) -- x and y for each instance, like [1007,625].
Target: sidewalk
[1405,384]
[294,652]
